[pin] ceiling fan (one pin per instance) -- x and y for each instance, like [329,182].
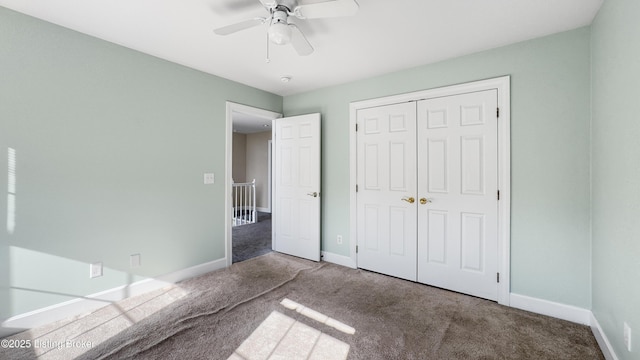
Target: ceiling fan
[280,31]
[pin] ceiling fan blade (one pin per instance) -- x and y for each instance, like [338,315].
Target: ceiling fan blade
[231,6]
[333,8]
[269,4]
[230,29]
[300,42]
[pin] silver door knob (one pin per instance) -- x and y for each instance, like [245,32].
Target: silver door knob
[314,194]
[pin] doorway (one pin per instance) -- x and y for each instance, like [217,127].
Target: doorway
[248,182]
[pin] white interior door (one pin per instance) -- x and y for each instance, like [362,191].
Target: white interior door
[457,190]
[386,224]
[296,186]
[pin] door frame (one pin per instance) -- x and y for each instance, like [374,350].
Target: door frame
[228,166]
[269,174]
[502,84]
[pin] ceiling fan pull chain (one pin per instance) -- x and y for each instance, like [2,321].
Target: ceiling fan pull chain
[268,60]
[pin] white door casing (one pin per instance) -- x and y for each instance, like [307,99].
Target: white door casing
[296,186]
[386,175]
[458,184]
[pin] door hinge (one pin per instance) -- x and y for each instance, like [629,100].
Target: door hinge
[498,194]
[498,112]
[498,277]
[356,127]
[356,187]
[356,249]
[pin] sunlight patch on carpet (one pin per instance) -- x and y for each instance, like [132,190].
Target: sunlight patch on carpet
[281,337]
[317,316]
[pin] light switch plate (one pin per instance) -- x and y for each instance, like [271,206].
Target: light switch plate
[209,178]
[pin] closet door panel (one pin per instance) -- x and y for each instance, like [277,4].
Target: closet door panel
[386,174]
[458,180]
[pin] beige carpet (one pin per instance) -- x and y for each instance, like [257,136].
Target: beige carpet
[280,307]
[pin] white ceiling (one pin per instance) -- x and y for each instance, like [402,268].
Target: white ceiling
[384,36]
[249,124]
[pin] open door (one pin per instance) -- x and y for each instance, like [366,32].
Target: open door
[296,186]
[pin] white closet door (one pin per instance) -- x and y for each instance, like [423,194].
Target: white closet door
[386,175]
[457,193]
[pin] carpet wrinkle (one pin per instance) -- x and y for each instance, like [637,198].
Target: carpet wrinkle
[227,308]
[122,311]
[133,342]
[436,347]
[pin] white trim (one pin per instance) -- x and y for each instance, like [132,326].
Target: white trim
[566,312]
[228,166]
[90,303]
[557,310]
[353,177]
[502,84]
[338,259]
[193,271]
[269,173]
[603,341]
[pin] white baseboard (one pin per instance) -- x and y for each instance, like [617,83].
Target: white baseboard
[569,313]
[603,341]
[90,303]
[550,308]
[194,271]
[338,259]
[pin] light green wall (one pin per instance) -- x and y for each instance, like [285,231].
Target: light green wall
[616,171]
[550,95]
[111,146]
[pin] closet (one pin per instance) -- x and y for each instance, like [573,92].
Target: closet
[427,198]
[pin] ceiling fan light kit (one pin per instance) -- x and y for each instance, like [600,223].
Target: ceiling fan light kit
[281,32]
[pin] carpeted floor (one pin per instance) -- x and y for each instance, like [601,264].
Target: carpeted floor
[391,319]
[252,240]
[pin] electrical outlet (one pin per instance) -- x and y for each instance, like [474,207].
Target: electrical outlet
[627,336]
[135,260]
[339,239]
[209,178]
[95,270]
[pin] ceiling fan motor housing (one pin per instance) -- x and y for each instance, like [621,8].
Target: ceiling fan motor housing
[287,5]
